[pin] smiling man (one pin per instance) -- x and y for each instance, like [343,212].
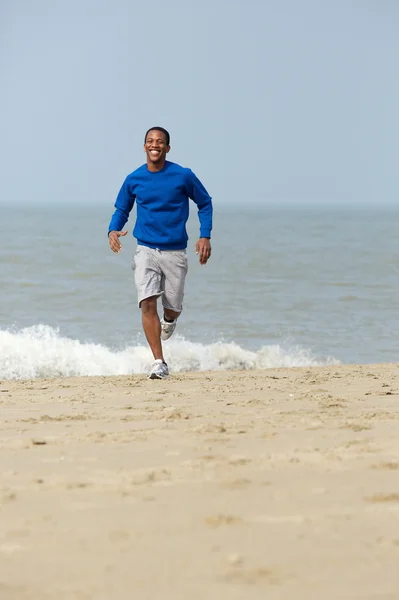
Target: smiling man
[161,190]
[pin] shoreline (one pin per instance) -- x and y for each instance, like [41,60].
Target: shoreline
[210,373]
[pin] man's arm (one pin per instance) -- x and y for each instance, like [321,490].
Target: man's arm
[123,206]
[198,193]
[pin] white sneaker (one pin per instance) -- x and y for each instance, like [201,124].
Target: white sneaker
[167,329]
[159,370]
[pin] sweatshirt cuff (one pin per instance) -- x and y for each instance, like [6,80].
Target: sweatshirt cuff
[205,233]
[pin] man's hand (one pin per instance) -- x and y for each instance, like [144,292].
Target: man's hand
[114,242]
[203,248]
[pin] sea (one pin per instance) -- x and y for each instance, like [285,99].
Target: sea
[285,287]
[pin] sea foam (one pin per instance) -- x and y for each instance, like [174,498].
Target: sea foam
[41,351]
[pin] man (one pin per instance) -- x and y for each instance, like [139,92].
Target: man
[161,190]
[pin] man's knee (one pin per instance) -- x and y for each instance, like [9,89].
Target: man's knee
[149,305]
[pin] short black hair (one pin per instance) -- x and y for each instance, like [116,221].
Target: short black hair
[167,136]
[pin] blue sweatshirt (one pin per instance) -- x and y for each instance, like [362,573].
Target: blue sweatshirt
[162,200]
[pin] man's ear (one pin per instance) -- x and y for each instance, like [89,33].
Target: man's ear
[167,149]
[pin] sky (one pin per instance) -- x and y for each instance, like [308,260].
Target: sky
[269,102]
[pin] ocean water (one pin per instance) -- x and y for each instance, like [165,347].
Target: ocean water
[284,287]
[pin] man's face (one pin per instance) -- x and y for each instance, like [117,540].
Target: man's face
[155,146]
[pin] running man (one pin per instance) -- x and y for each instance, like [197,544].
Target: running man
[161,190]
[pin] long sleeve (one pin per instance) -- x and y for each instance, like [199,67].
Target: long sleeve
[198,193]
[123,205]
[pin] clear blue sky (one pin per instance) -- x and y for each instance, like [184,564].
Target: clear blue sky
[283,101]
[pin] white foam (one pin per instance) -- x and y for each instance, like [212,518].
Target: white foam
[40,351]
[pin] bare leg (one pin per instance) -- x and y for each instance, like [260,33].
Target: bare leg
[152,326]
[170,315]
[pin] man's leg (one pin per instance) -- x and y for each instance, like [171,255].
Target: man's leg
[152,326]
[170,315]
[175,268]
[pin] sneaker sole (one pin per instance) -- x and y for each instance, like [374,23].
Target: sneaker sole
[166,337]
[154,376]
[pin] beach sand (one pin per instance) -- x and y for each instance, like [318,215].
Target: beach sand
[276,484]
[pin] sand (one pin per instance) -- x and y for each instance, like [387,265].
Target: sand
[277,484]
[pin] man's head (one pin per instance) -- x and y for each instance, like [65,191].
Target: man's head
[156,147]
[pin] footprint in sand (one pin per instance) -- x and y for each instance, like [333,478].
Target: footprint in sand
[393,466]
[383,498]
[219,520]
[259,576]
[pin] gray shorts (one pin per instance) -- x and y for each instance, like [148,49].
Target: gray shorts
[160,273]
